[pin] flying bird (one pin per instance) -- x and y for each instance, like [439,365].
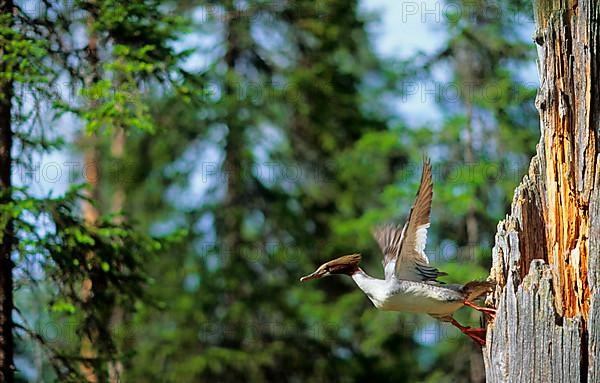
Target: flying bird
[410,283]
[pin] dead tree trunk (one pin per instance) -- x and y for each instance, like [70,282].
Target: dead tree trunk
[547,250]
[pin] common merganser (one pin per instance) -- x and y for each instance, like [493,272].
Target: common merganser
[410,283]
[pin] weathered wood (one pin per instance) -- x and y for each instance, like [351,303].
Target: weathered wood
[547,249]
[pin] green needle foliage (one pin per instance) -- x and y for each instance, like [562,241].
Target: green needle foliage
[57,260]
[275,142]
[85,61]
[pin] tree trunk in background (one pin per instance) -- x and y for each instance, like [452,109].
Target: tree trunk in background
[547,250]
[90,212]
[6,234]
[115,367]
[90,215]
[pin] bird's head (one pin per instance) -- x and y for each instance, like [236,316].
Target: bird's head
[347,264]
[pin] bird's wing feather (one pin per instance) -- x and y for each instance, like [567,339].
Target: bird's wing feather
[404,250]
[389,238]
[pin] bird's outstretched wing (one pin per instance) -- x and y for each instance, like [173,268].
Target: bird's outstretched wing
[404,250]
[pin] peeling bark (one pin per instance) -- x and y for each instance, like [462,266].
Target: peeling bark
[547,250]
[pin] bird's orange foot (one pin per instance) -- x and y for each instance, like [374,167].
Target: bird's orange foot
[486,310]
[477,334]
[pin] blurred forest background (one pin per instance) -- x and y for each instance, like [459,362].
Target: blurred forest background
[178,165]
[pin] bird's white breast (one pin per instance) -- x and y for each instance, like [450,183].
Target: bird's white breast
[418,300]
[408,296]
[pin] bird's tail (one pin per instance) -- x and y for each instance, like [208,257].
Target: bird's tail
[475,289]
